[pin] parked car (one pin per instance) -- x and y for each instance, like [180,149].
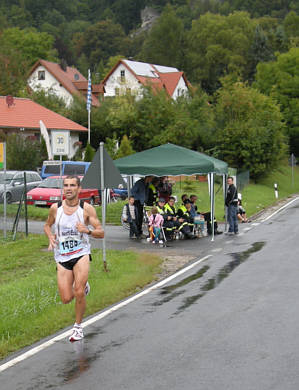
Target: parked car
[15,184]
[49,192]
[122,190]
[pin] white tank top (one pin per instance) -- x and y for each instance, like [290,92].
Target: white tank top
[69,242]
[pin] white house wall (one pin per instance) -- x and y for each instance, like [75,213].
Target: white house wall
[114,82]
[50,83]
[180,89]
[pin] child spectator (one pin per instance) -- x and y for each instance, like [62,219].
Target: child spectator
[130,215]
[241,213]
[155,223]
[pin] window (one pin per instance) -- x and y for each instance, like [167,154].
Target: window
[33,177]
[122,75]
[74,169]
[53,169]
[41,75]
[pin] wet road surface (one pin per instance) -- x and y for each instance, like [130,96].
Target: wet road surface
[230,322]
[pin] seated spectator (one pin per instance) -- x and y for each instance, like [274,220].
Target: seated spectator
[185,219]
[167,224]
[155,224]
[207,216]
[241,213]
[130,215]
[183,197]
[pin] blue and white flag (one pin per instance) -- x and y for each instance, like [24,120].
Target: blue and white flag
[88,101]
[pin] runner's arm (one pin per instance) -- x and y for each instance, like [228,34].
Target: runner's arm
[47,227]
[93,220]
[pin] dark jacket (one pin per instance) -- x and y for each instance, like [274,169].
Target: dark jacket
[140,191]
[231,196]
[126,212]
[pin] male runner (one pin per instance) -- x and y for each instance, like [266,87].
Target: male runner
[71,247]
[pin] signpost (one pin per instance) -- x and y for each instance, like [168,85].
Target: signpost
[60,141]
[3,165]
[1,155]
[292,163]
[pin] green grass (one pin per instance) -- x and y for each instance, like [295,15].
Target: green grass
[256,196]
[30,305]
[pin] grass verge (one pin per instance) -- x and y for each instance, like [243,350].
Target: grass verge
[30,305]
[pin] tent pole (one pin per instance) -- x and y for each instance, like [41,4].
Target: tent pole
[212,199]
[103,196]
[224,197]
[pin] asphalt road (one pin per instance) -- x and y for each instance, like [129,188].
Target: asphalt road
[230,321]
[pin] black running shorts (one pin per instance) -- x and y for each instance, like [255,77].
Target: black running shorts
[71,263]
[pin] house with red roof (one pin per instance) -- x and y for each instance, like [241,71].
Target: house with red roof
[23,116]
[129,77]
[63,80]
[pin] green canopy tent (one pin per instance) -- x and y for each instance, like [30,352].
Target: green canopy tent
[173,160]
[170,160]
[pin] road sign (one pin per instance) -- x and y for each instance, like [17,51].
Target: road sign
[292,160]
[60,142]
[1,155]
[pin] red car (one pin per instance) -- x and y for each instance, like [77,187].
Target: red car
[49,192]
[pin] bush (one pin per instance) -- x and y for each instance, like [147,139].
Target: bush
[24,152]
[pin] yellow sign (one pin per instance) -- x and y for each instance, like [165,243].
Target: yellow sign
[1,155]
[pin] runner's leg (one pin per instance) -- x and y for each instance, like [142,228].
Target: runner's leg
[65,279]
[80,272]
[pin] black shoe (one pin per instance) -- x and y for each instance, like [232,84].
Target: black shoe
[218,232]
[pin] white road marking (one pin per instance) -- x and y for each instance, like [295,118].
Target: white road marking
[97,317]
[281,208]
[255,223]
[217,250]
[247,229]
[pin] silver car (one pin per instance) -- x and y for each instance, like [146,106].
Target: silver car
[15,184]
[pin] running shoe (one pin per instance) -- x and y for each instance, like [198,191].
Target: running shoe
[77,333]
[87,288]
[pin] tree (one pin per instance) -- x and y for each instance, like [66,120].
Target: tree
[101,41]
[12,65]
[280,80]
[89,153]
[32,44]
[250,129]
[218,45]
[164,44]
[125,148]
[259,51]
[25,152]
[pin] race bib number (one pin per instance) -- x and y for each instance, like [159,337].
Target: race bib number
[69,245]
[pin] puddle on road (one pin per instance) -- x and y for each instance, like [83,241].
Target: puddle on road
[82,359]
[224,272]
[171,289]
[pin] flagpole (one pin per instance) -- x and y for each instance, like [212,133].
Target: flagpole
[103,197]
[88,103]
[88,127]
